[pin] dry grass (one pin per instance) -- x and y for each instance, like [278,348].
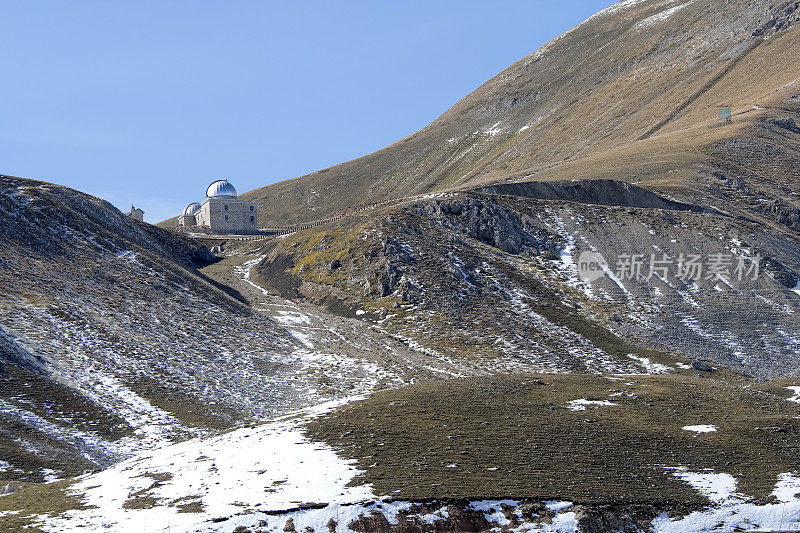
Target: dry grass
[141,499]
[513,436]
[33,499]
[589,99]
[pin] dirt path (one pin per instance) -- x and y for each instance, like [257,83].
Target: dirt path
[351,346]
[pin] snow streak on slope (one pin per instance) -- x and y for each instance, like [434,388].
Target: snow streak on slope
[102,451]
[661,16]
[152,426]
[312,332]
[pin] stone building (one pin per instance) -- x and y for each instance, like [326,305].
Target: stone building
[136,214]
[222,211]
[189,216]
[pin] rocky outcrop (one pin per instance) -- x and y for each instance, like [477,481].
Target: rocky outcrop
[783,17]
[782,213]
[483,219]
[787,123]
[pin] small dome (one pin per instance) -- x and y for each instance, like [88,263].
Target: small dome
[221,189]
[192,209]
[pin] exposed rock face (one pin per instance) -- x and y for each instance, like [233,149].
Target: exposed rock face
[787,124]
[702,367]
[783,213]
[484,220]
[486,273]
[785,15]
[601,519]
[459,517]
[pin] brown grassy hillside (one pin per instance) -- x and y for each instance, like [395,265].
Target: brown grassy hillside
[632,93]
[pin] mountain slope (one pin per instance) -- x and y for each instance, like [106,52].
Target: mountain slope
[629,95]
[638,82]
[112,340]
[493,278]
[646,398]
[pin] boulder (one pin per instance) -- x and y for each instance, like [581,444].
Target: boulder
[702,367]
[787,124]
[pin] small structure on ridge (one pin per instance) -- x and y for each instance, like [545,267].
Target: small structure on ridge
[136,214]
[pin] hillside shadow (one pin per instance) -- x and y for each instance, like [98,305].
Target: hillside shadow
[230,291]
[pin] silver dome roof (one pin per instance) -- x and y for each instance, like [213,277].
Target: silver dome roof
[221,188]
[192,208]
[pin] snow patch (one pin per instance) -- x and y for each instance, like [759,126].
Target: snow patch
[787,488]
[268,468]
[701,428]
[649,366]
[127,255]
[732,511]
[796,397]
[796,289]
[583,403]
[661,16]
[716,487]
[50,476]
[493,130]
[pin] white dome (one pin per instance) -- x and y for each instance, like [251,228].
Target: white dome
[221,189]
[192,209]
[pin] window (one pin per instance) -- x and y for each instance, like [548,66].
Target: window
[226,216]
[252,220]
[252,208]
[226,207]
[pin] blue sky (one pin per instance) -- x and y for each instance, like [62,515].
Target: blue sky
[147,102]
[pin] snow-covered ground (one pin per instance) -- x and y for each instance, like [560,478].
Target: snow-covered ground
[261,478]
[267,476]
[649,366]
[237,476]
[732,511]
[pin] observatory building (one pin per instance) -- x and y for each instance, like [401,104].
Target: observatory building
[222,211]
